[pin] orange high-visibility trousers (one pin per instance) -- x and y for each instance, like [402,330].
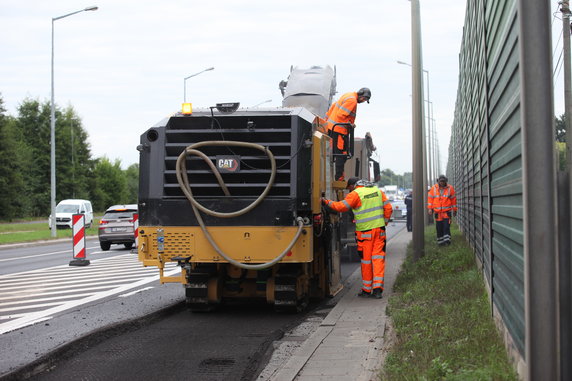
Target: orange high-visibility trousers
[371,249]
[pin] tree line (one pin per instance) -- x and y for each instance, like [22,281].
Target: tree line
[388,177]
[25,162]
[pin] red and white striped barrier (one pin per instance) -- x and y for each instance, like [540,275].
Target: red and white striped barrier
[136,229]
[78,235]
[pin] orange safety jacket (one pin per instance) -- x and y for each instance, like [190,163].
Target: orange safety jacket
[441,200]
[353,201]
[342,111]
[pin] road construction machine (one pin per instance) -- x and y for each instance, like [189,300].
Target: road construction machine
[232,196]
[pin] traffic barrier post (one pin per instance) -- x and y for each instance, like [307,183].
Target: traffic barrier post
[136,231]
[78,239]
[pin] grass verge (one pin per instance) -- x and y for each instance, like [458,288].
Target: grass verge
[442,319]
[36,231]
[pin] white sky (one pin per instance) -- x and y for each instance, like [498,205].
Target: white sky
[122,66]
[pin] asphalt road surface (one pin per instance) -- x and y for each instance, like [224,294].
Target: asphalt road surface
[232,343]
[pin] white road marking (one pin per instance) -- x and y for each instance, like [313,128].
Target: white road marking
[60,296]
[42,255]
[66,268]
[37,289]
[135,292]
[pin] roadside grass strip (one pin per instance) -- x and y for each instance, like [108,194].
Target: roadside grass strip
[442,319]
[34,231]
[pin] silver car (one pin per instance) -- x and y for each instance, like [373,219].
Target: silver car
[399,210]
[116,226]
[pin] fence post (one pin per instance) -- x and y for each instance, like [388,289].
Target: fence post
[539,191]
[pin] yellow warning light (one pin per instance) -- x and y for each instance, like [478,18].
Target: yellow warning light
[187,108]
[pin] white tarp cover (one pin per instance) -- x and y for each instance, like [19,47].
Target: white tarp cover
[312,88]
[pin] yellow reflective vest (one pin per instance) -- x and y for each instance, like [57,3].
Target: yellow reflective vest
[370,214]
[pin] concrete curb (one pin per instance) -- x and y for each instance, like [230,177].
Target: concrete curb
[349,343]
[38,243]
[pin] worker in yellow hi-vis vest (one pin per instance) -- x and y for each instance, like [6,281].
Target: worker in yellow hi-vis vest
[371,210]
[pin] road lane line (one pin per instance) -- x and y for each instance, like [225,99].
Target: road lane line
[43,255]
[61,267]
[84,276]
[135,292]
[81,285]
[30,307]
[61,297]
[35,317]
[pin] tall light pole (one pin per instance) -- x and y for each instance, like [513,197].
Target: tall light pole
[53,129]
[430,146]
[565,194]
[419,180]
[190,76]
[430,163]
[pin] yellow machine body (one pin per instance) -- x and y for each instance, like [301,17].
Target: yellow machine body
[247,244]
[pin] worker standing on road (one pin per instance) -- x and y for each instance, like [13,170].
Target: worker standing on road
[442,202]
[371,210]
[344,111]
[409,205]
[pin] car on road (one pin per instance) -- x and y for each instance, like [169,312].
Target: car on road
[399,209]
[117,226]
[67,208]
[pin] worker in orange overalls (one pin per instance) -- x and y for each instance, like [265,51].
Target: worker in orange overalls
[371,210]
[344,111]
[442,202]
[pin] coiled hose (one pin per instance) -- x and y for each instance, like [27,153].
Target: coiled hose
[182,178]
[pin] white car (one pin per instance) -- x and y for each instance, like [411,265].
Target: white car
[399,210]
[67,208]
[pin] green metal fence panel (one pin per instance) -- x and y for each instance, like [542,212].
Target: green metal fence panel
[505,157]
[486,154]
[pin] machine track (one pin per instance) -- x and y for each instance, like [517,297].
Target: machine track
[290,290]
[196,291]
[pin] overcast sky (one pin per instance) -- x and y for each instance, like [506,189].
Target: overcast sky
[122,66]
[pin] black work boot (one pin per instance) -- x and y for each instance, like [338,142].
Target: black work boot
[364,294]
[377,293]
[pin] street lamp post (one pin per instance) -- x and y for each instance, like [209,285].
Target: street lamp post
[190,76]
[428,131]
[429,134]
[419,183]
[53,129]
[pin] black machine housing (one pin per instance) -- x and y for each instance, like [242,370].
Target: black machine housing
[286,132]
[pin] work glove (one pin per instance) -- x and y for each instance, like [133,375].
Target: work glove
[324,201]
[454,213]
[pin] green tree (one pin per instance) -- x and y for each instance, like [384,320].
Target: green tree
[109,185]
[73,157]
[33,126]
[12,200]
[25,164]
[132,176]
[74,165]
[561,129]
[388,177]
[408,180]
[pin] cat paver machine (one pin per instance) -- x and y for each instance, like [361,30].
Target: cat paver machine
[232,196]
